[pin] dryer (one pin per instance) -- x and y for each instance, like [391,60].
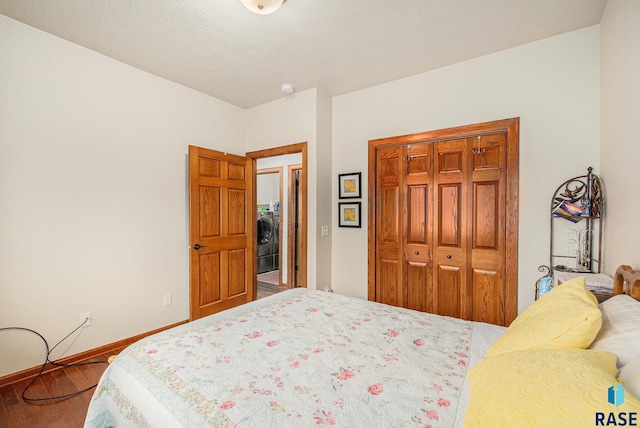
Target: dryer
[265,235]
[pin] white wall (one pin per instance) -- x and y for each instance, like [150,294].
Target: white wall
[268,188]
[620,143]
[552,85]
[327,181]
[93,202]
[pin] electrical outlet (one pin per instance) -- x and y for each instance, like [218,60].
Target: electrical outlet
[86,316]
[167,299]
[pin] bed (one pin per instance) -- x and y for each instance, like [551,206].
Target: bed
[304,358]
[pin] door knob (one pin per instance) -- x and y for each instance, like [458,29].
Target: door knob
[198,246]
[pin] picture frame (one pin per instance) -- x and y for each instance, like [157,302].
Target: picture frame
[349,214]
[349,185]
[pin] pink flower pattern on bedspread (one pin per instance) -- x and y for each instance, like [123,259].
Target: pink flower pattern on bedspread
[307,360]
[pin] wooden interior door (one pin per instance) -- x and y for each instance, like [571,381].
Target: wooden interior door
[418,236]
[389,243]
[443,221]
[404,232]
[487,228]
[450,228]
[221,267]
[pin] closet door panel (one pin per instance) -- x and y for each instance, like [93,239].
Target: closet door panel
[390,288]
[449,215]
[448,285]
[488,296]
[418,221]
[486,215]
[389,261]
[450,212]
[417,252]
[389,231]
[419,287]
[488,182]
[417,217]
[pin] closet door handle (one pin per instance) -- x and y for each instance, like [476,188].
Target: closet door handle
[449,256]
[198,246]
[417,252]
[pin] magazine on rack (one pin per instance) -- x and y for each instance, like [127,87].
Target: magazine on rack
[568,211]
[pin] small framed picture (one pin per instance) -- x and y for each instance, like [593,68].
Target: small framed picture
[349,185]
[349,214]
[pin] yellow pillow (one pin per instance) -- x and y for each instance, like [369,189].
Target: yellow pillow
[566,317]
[545,388]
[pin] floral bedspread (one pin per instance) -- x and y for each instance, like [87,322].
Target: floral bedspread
[300,358]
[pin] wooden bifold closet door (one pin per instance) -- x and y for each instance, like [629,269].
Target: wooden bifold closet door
[443,221]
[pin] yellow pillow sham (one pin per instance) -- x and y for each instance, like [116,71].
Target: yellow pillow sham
[566,317]
[546,388]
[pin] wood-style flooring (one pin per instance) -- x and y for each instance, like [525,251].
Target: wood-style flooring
[272,277]
[266,289]
[268,284]
[69,413]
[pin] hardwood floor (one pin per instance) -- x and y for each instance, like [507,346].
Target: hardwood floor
[272,277]
[268,284]
[71,412]
[67,413]
[266,289]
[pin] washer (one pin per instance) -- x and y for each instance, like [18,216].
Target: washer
[265,241]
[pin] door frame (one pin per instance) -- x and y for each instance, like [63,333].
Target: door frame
[292,250]
[512,128]
[279,151]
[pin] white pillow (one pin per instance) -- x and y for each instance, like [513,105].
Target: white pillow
[620,332]
[630,375]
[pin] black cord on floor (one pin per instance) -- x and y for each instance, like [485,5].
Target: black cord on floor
[47,360]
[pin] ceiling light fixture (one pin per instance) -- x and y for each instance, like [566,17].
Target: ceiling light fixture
[287,88]
[262,7]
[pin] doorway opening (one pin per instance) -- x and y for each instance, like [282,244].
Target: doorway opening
[280,199]
[269,194]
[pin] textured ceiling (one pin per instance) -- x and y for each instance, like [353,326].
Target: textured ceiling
[220,48]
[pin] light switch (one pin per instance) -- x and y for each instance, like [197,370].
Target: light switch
[325,231]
